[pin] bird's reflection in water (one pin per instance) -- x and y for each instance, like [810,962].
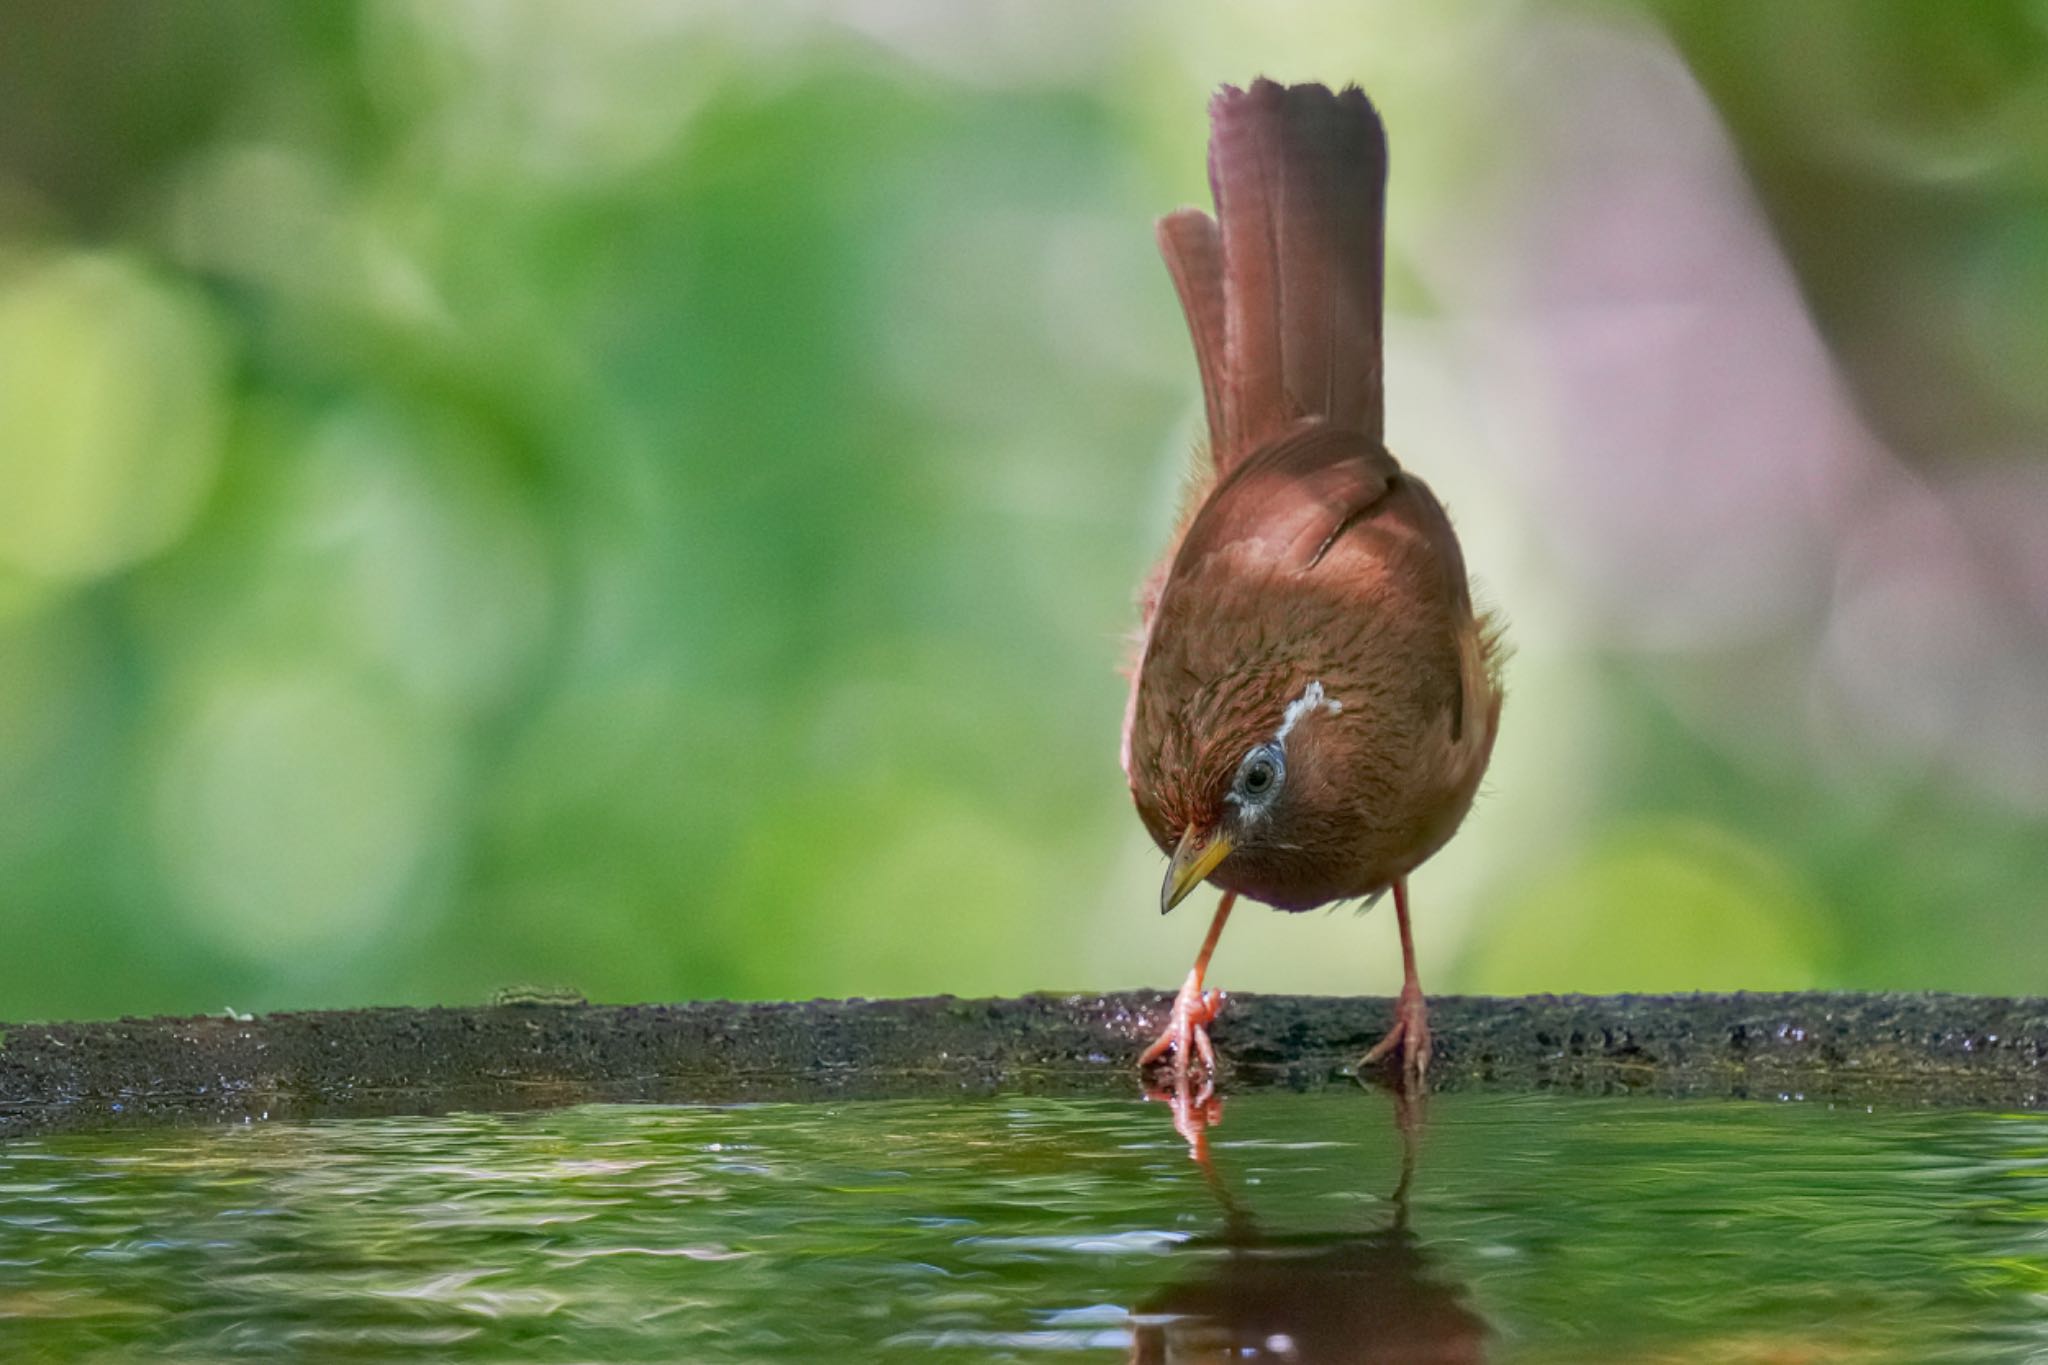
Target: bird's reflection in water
[1337,1297]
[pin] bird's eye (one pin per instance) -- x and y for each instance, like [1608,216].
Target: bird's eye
[1260,774]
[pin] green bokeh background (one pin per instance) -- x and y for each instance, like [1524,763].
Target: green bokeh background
[649,497]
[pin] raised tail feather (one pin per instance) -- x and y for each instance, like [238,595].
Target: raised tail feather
[1283,288]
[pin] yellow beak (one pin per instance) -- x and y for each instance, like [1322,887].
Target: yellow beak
[1195,858]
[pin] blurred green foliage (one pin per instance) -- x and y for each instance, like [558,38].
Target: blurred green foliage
[650,496]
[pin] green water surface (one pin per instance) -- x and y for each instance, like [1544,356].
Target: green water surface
[1534,1228]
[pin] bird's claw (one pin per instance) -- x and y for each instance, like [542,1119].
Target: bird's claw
[1410,1033]
[1187,1031]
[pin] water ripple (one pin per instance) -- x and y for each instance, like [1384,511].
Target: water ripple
[1536,1229]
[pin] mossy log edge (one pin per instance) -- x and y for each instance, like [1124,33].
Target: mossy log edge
[1879,1048]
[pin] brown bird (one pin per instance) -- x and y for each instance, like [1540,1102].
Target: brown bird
[1315,697]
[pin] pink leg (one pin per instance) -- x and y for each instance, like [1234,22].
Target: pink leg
[1411,1015]
[1187,1032]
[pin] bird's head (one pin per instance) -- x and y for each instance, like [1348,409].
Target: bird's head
[1239,790]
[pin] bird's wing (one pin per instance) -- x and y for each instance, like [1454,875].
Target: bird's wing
[1295,498]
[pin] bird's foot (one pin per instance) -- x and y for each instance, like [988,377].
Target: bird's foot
[1187,1030]
[1410,1033]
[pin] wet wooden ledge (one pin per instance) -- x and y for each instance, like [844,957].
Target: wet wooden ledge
[1875,1048]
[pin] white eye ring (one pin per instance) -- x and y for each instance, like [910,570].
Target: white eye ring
[1260,775]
